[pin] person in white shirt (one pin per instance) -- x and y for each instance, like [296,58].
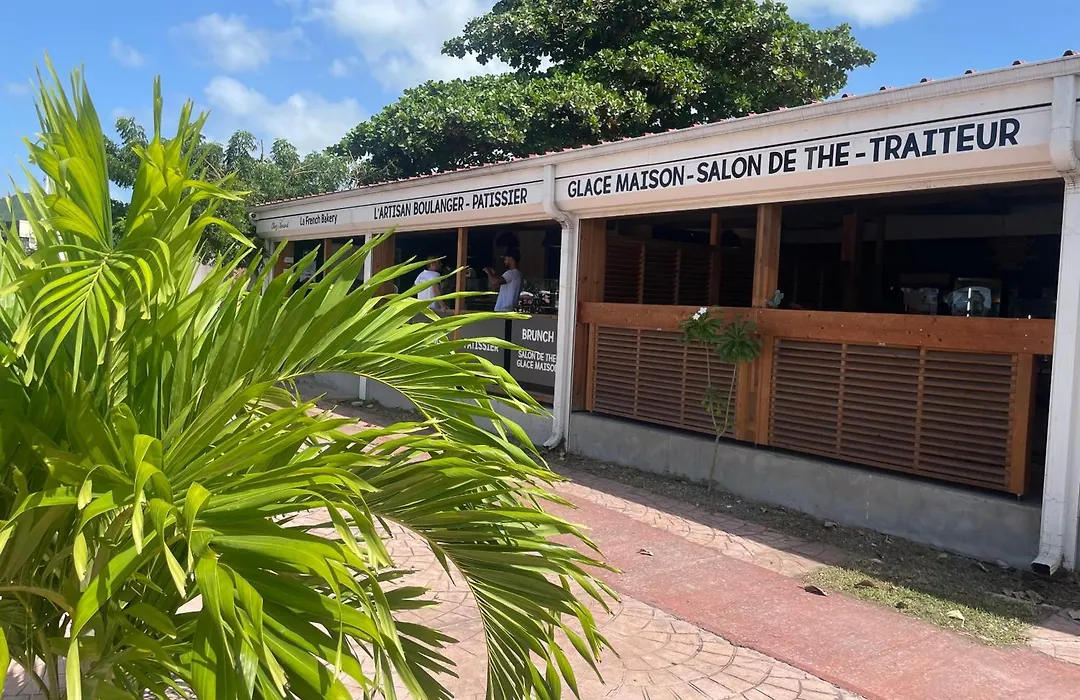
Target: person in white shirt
[431,272]
[508,283]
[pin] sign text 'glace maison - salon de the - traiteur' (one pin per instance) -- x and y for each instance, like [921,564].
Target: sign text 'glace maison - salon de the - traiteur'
[804,157]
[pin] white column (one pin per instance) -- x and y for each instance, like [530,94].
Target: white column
[1061,486]
[564,342]
[564,338]
[369,266]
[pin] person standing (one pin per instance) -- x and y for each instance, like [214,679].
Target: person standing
[430,273]
[508,283]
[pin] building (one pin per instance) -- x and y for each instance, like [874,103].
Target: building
[11,214]
[919,372]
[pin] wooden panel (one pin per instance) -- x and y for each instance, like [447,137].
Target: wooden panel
[695,270]
[280,266]
[624,270]
[382,258]
[997,335]
[737,280]
[716,260]
[591,273]
[652,377]
[661,279]
[745,395]
[461,262]
[763,400]
[658,273]
[944,415]
[1001,335]
[592,244]
[1022,410]
[766,254]
[851,256]
[590,397]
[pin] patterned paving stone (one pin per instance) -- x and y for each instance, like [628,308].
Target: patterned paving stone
[731,537]
[1058,636]
[657,656]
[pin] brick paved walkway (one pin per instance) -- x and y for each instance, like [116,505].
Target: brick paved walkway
[657,656]
[1057,636]
[874,651]
[712,577]
[729,536]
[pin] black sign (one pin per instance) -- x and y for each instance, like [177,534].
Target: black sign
[491,328]
[536,363]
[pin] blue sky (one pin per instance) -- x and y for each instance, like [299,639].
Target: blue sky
[310,69]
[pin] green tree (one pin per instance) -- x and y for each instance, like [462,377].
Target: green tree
[280,175]
[155,456]
[591,70]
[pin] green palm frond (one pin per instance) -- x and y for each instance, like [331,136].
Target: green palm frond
[177,520]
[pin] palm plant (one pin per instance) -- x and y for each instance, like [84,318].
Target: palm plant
[155,455]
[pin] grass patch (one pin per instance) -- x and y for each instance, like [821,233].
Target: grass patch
[991,621]
[917,580]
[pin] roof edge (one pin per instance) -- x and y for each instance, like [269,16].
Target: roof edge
[969,82]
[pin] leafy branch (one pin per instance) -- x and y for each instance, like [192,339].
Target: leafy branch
[734,343]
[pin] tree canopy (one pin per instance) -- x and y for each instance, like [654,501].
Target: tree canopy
[584,71]
[279,174]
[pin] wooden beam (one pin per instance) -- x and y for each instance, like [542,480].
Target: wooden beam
[879,263]
[745,409]
[1000,336]
[766,254]
[851,256]
[1020,428]
[460,280]
[325,253]
[592,260]
[590,389]
[280,266]
[762,423]
[382,258]
[716,249]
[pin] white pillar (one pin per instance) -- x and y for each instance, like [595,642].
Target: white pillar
[369,266]
[268,250]
[564,343]
[567,324]
[1061,486]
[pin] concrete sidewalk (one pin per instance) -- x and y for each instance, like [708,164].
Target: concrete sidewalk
[873,651]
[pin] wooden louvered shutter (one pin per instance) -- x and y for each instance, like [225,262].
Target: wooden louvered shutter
[661,279]
[623,274]
[695,269]
[651,376]
[656,273]
[940,414]
[736,277]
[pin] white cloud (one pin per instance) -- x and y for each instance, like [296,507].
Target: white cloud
[402,42]
[868,12]
[308,120]
[16,89]
[344,67]
[124,54]
[234,46]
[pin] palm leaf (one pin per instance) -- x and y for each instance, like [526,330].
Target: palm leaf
[161,471]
